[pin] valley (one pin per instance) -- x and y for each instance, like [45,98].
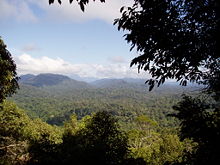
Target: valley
[54,98]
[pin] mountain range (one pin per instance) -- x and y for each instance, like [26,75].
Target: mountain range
[54,97]
[48,79]
[58,81]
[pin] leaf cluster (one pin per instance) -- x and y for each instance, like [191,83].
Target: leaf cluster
[175,39]
[199,121]
[8,74]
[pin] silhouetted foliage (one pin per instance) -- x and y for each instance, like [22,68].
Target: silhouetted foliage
[213,85]
[8,75]
[201,123]
[175,39]
[82,3]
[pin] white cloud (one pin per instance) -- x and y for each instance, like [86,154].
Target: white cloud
[18,10]
[27,64]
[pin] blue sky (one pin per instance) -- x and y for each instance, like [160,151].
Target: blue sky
[62,39]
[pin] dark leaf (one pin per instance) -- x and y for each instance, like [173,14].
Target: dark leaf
[51,1]
[151,87]
[122,8]
[82,6]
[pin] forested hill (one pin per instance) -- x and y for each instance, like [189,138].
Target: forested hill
[56,80]
[55,97]
[50,80]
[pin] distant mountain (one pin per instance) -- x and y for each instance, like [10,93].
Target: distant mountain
[51,80]
[117,83]
[135,80]
[54,98]
[57,82]
[43,79]
[79,78]
[25,78]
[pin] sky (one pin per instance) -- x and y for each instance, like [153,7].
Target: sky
[62,39]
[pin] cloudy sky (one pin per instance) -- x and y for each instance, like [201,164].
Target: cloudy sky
[62,39]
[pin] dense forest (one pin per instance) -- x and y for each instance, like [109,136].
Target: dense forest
[97,138]
[121,120]
[125,99]
[54,119]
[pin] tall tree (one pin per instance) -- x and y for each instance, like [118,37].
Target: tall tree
[99,142]
[8,74]
[201,123]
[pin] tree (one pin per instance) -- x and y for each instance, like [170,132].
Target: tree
[8,74]
[99,141]
[201,123]
[155,147]
[176,39]
[13,133]
[44,142]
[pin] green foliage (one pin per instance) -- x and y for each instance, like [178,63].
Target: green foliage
[145,122]
[44,144]
[8,75]
[13,121]
[176,40]
[99,141]
[171,149]
[21,137]
[92,140]
[200,122]
[13,126]
[56,105]
[155,147]
[96,139]
[44,140]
